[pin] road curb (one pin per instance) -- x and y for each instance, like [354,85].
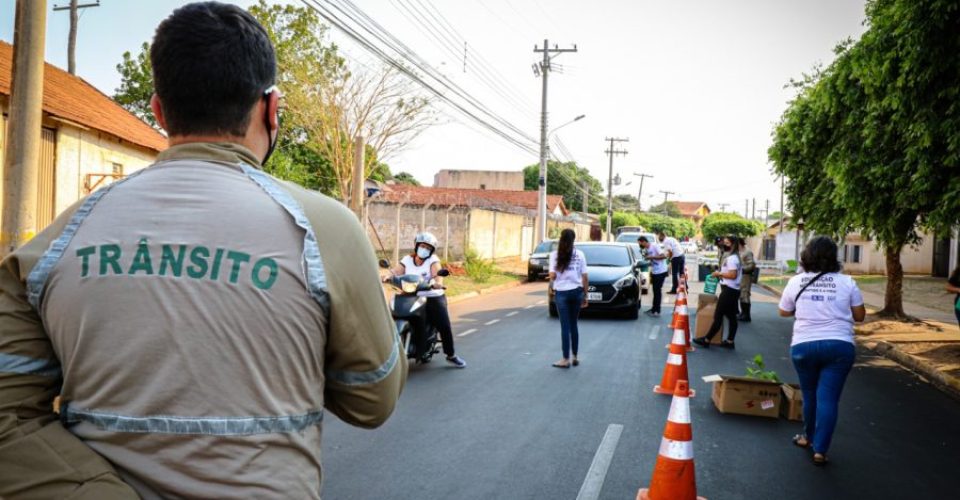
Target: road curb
[946,383]
[940,380]
[484,291]
[769,289]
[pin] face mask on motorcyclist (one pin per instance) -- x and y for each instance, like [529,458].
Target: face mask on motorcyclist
[424,252]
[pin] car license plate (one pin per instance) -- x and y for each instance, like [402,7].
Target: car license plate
[594,296]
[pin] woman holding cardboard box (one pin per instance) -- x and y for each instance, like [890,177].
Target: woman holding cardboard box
[825,304]
[730,273]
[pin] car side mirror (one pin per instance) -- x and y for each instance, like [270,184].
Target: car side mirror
[384,263]
[443,273]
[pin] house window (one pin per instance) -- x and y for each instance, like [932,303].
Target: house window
[851,253]
[117,168]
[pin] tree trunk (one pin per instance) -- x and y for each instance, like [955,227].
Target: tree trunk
[893,298]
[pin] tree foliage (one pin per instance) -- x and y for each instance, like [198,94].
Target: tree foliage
[136,84]
[668,208]
[721,224]
[566,179]
[406,178]
[871,143]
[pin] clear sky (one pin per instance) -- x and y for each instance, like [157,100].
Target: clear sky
[696,85]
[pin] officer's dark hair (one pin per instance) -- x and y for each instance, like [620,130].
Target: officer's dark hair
[643,239]
[820,256]
[211,64]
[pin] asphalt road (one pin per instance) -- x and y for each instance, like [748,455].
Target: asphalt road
[510,426]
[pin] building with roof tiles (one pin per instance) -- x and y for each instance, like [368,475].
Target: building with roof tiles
[693,210]
[479,179]
[88,140]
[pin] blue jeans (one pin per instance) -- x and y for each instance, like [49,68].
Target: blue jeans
[822,366]
[568,308]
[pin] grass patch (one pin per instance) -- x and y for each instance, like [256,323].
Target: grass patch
[458,285]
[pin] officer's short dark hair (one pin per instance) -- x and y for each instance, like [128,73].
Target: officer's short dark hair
[642,239]
[211,64]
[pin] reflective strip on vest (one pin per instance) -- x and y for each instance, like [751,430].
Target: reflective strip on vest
[22,365]
[677,450]
[211,426]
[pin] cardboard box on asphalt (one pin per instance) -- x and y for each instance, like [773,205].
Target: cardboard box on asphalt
[745,396]
[706,308]
[791,406]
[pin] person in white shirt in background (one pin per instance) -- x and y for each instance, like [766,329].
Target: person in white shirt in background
[730,273]
[678,261]
[568,283]
[658,271]
[825,304]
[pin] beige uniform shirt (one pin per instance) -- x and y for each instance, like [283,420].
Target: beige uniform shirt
[196,319]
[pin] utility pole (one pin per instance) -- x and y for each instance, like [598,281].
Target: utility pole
[753,213]
[359,176]
[723,207]
[766,215]
[586,196]
[21,172]
[665,194]
[746,208]
[74,20]
[640,194]
[543,69]
[780,229]
[611,152]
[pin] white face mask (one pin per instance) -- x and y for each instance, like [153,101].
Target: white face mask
[424,253]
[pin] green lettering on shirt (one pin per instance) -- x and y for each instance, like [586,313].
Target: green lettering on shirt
[198,256]
[142,260]
[84,254]
[110,255]
[238,259]
[215,271]
[172,262]
[271,278]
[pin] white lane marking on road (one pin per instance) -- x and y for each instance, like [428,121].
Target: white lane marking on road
[531,306]
[492,322]
[512,313]
[654,332]
[468,332]
[542,302]
[593,483]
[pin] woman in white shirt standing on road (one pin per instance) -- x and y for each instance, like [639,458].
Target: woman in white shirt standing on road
[730,273]
[825,304]
[568,283]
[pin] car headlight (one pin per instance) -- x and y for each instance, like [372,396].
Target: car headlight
[625,281]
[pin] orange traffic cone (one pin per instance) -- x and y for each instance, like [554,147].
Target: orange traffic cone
[681,321]
[676,367]
[673,475]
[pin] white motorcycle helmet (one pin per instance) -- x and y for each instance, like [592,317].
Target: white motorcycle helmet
[427,238]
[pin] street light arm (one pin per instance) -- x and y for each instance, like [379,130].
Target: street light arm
[578,118]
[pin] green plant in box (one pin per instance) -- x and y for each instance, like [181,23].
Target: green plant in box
[757,369]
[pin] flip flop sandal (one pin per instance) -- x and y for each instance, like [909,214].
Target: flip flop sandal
[561,365]
[576,362]
[820,460]
[800,438]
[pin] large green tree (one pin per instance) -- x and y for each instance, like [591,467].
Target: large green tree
[136,84]
[668,208]
[872,142]
[406,178]
[567,179]
[721,224]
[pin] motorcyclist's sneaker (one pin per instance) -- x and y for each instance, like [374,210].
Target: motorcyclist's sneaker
[456,361]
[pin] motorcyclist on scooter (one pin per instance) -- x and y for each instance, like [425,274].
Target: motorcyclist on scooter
[425,263]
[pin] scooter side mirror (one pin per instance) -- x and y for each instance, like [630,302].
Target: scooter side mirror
[384,263]
[443,273]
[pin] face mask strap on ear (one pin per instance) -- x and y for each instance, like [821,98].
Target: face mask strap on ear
[272,141]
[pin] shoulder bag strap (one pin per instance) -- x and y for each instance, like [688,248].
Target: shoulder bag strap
[815,278]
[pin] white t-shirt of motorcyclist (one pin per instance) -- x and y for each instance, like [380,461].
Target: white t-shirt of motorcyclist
[570,278]
[410,267]
[823,311]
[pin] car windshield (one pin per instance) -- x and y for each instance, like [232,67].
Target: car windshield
[627,237]
[546,247]
[606,256]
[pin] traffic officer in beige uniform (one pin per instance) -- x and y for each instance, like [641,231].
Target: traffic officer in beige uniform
[197,318]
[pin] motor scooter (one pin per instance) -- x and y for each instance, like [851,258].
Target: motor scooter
[410,313]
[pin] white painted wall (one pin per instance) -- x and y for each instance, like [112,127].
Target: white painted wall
[81,152]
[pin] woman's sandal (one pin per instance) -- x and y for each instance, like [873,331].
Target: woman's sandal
[728,344]
[801,441]
[820,459]
[562,364]
[576,362]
